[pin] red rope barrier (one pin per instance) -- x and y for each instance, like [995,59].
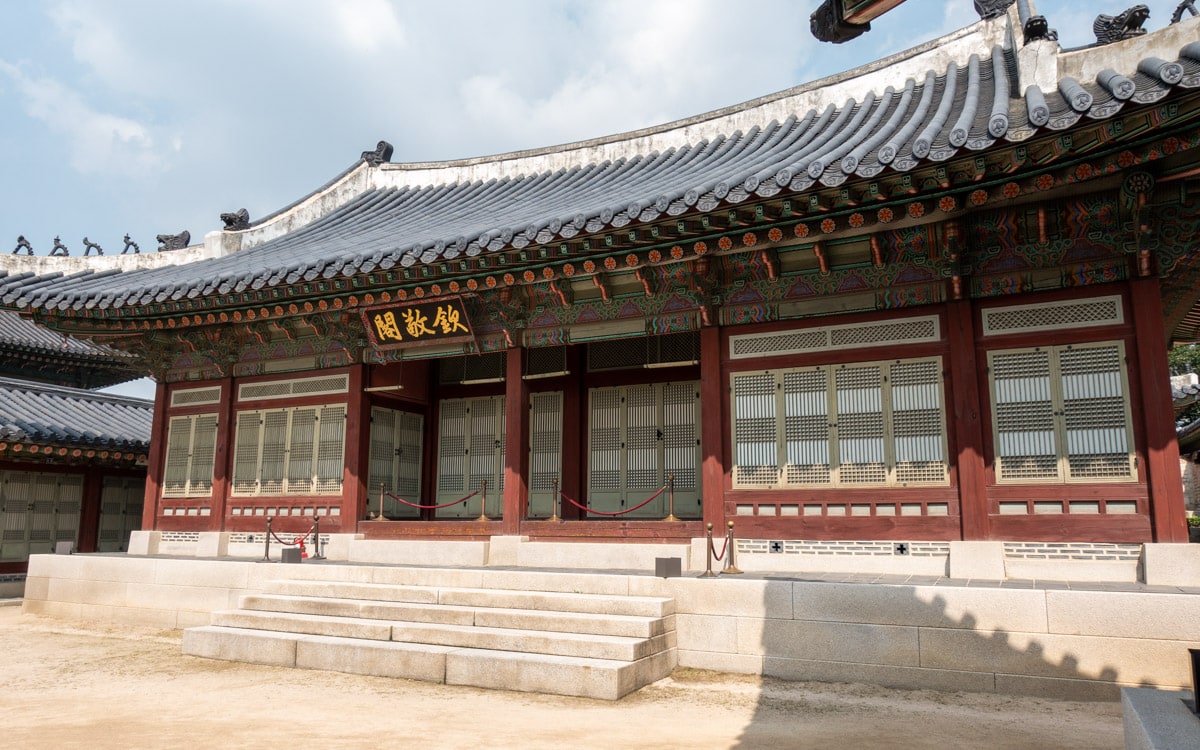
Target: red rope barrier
[296,540]
[724,547]
[281,541]
[431,507]
[617,513]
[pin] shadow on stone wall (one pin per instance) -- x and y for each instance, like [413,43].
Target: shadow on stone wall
[885,647]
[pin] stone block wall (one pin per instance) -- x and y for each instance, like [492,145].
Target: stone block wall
[1082,644]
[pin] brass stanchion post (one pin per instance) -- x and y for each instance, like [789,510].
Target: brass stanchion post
[267,542]
[317,538]
[380,517]
[671,499]
[554,501]
[483,503]
[708,553]
[730,567]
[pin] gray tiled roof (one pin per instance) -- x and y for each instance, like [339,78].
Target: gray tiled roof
[1185,395]
[16,331]
[928,118]
[33,412]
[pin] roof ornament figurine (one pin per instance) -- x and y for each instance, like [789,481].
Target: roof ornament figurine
[1189,6]
[381,154]
[59,248]
[1035,27]
[992,8]
[236,220]
[23,244]
[174,241]
[130,245]
[89,246]
[828,26]
[1125,25]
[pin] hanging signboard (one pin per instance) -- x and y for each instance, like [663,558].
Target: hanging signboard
[434,321]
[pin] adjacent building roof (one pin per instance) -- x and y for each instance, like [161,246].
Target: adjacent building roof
[960,94]
[38,413]
[30,351]
[1185,391]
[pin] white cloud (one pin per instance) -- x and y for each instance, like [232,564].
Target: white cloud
[368,25]
[633,64]
[96,141]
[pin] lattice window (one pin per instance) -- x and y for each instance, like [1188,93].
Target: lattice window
[638,437]
[1053,316]
[120,512]
[860,425]
[863,424]
[293,451]
[1061,414]
[806,427]
[918,423]
[475,368]
[319,386]
[395,459]
[36,511]
[545,361]
[196,396]
[545,451]
[471,444]
[191,450]
[846,336]
[647,351]
[755,430]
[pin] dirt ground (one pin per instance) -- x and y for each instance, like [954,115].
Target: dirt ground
[69,684]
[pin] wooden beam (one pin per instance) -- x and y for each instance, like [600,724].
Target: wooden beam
[876,251]
[1162,449]
[357,453]
[967,438]
[156,459]
[516,443]
[89,509]
[226,424]
[712,429]
[822,259]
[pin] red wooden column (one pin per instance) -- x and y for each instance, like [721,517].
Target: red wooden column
[1162,451]
[516,443]
[357,453]
[222,463]
[713,408]
[155,459]
[967,422]
[89,510]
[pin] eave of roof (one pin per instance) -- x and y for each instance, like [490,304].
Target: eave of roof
[960,94]
[39,413]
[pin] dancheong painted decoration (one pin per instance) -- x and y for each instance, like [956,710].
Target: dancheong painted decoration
[926,300]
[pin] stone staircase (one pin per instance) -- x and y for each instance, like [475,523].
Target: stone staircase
[594,645]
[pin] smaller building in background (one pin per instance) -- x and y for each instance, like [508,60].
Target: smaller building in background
[72,460]
[1185,393]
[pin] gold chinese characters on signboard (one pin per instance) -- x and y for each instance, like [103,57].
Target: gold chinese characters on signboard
[433,320]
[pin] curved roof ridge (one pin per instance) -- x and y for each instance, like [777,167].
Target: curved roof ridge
[836,90]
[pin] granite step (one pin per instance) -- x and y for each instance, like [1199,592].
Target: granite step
[633,626]
[604,679]
[596,645]
[642,606]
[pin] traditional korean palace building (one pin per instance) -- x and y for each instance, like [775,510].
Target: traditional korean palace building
[928,299]
[72,461]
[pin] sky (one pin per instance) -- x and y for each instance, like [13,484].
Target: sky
[152,117]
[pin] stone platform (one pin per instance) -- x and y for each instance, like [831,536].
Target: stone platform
[1056,638]
[587,642]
